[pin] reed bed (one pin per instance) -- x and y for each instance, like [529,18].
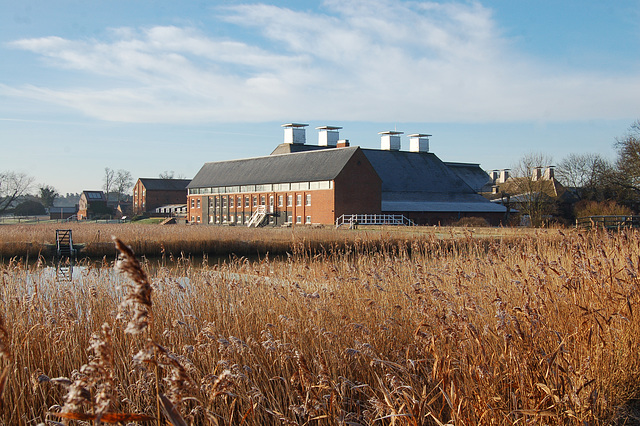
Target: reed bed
[542,329]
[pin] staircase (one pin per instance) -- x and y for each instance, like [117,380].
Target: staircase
[258,216]
[64,244]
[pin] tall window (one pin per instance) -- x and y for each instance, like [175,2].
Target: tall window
[262,200]
[289,200]
[193,205]
[299,200]
[246,201]
[308,220]
[198,203]
[255,200]
[231,202]
[280,200]
[308,200]
[298,219]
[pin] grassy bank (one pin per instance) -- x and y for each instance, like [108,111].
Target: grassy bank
[542,329]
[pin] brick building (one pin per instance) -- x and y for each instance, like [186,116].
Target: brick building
[150,193]
[307,184]
[92,204]
[297,188]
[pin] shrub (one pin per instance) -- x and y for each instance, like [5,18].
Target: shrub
[472,222]
[603,208]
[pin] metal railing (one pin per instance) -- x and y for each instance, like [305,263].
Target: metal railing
[608,222]
[258,216]
[354,220]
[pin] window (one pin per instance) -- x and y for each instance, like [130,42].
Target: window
[299,200]
[212,202]
[224,202]
[308,221]
[289,219]
[193,219]
[308,201]
[255,200]
[280,200]
[239,203]
[262,200]
[289,200]
[198,203]
[210,219]
[193,204]
[231,202]
[298,219]
[231,218]
[198,219]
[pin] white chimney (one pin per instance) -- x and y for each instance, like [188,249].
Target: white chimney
[549,173]
[504,175]
[328,135]
[294,133]
[390,141]
[419,142]
[537,174]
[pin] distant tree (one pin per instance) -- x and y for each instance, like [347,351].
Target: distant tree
[12,186]
[123,183]
[108,181]
[29,208]
[167,174]
[48,195]
[586,174]
[531,196]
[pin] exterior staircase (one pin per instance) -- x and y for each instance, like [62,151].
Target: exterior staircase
[258,216]
[64,244]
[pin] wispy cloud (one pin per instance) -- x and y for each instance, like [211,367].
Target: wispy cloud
[357,60]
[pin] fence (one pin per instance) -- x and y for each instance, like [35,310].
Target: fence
[373,219]
[608,222]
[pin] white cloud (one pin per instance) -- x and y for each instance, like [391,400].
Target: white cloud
[372,60]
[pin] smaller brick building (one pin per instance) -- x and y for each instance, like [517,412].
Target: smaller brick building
[92,204]
[150,193]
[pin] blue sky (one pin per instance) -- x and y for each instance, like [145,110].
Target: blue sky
[149,86]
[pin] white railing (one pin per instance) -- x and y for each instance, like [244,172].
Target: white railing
[373,219]
[258,216]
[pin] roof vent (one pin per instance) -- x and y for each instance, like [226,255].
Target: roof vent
[390,141]
[294,133]
[419,142]
[328,135]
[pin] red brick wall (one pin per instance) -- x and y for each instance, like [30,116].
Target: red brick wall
[358,189]
[147,201]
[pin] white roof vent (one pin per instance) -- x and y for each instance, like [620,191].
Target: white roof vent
[328,135]
[294,133]
[390,141]
[419,142]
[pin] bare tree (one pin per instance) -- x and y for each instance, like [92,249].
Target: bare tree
[584,173]
[167,174]
[528,191]
[122,183]
[628,162]
[12,186]
[108,181]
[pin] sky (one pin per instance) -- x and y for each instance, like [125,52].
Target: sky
[158,85]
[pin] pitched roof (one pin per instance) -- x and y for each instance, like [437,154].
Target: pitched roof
[473,175]
[310,166]
[434,202]
[156,184]
[403,171]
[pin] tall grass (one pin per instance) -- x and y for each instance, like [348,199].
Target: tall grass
[543,329]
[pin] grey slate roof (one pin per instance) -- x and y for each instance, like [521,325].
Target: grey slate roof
[155,184]
[287,148]
[317,165]
[438,202]
[403,171]
[473,175]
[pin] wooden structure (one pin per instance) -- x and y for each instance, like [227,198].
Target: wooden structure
[608,222]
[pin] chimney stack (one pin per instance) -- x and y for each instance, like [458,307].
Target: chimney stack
[343,143]
[504,175]
[537,174]
[328,135]
[549,172]
[419,142]
[294,133]
[390,140]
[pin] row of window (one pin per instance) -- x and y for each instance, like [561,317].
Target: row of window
[245,219]
[268,187]
[228,201]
